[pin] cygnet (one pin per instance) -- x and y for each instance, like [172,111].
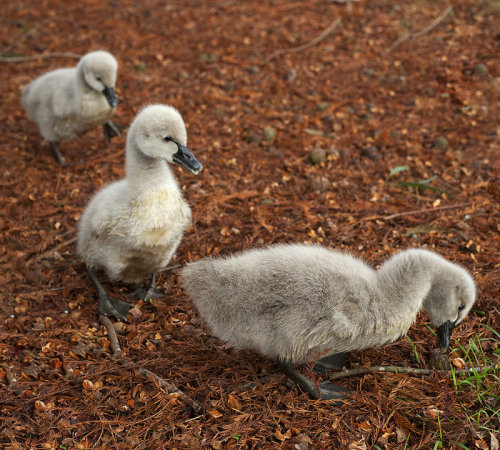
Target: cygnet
[66,103]
[132,227]
[299,303]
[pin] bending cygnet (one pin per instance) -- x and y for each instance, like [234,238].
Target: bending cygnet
[299,303]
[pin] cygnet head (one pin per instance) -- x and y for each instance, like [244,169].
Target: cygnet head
[159,132]
[99,72]
[449,300]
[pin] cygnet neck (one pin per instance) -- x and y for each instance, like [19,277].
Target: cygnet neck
[144,173]
[407,277]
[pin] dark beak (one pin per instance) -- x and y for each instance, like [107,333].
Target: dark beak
[186,159]
[109,93]
[444,334]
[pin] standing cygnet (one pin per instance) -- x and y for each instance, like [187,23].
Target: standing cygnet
[132,227]
[68,102]
[298,303]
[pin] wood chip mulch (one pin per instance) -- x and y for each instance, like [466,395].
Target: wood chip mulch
[372,133]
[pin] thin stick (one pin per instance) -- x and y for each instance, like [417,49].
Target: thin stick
[170,268]
[310,44]
[394,369]
[117,352]
[428,28]
[252,384]
[171,389]
[426,210]
[113,338]
[36,57]
[53,249]
[11,379]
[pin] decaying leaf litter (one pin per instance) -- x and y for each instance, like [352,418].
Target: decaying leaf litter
[364,104]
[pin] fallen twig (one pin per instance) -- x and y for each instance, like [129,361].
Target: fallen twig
[428,28]
[52,250]
[425,210]
[172,389]
[395,369]
[117,352]
[42,56]
[310,44]
[252,384]
[113,338]
[170,268]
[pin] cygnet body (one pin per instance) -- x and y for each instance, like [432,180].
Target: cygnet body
[298,303]
[68,102]
[132,227]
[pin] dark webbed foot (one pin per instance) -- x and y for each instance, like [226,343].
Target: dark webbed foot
[330,391]
[326,391]
[332,362]
[148,292]
[108,306]
[55,148]
[113,307]
[111,130]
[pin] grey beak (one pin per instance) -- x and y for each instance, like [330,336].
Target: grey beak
[186,159]
[109,93]
[444,333]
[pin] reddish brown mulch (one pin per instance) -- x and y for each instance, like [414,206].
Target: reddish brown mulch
[430,103]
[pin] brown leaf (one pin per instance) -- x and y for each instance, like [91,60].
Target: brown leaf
[481,443]
[233,402]
[32,371]
[79,350]
[459,363]
[214,413]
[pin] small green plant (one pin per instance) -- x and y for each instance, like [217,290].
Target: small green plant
[483,382]
[396,170]
[415,351]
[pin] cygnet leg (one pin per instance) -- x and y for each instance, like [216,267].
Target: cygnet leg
[332,362]
[111,130]
[327,390]
[55,148]
[107,305]
[149,292]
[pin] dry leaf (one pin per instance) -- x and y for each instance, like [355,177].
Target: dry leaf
[87,385]
[233,402]
[481,443]
[459,363]
[79,350]
[214,413]
[365,426]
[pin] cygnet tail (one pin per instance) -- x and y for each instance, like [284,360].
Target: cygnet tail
[197,277]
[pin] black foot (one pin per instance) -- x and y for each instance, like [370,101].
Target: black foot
[108,306]
[111,130]
[330,391]
[113,307]
[55,148]
[149,292]
[332,362]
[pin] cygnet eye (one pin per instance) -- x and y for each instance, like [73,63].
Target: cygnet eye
[98,78]
[167,138]
[461,307]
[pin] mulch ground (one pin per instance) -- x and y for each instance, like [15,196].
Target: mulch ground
[393,85]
